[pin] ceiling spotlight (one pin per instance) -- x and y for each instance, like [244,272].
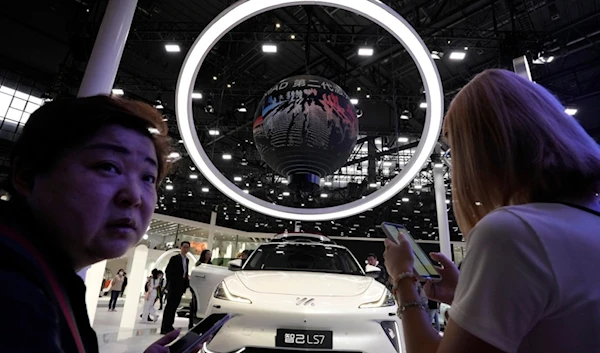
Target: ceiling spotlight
[196,95]
[173,155]
[278,25]
[213,132]
[403,139]
[193,176]
[242,109]
[172,48]
[406,115]
[365,51]
[405,199]
[118,92]
[457,55]
[373,185]
[205,189]
[368,96]
[354,101]
[571,111]
[237,178]
[423,105]
[436,55]
[169,187]
[269,48]
[215,78]
[229,85]
[286,193]
[293,36]
[543,59]
[358,89]
[323,195]
[246,191]
[418,187]
[327,183]
[226,156]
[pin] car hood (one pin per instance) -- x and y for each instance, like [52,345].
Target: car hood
[304,283]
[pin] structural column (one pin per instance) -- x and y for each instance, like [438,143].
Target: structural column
[102,67]
[211,231]
[93,284]
[442,213]
[135,283]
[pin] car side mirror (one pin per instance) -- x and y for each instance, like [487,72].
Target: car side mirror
[235,265]
[372,271]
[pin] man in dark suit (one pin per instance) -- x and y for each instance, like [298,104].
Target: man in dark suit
[178,280]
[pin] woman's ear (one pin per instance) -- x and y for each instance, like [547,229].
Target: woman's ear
[22,177]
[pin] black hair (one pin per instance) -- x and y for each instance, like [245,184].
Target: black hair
[372,255]
[185,242]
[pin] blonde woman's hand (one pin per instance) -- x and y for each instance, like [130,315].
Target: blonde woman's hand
[398,257]
[443,291]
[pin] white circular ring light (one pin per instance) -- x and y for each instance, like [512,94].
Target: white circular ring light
[373,10]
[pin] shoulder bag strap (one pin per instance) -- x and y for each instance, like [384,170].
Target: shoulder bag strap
[17,241]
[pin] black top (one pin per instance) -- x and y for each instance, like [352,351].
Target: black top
[176,278]
[34,321]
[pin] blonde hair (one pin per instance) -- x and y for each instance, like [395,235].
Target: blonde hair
[512,143]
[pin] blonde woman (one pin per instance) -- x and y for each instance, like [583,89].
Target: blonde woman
[525,178]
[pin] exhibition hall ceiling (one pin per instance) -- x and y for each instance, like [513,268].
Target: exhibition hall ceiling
[48,44]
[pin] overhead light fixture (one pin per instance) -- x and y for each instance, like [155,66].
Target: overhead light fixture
[436,55]
[406,115]
[237,178]
[374,11]
[226,156]
[286,193]
[196,95]
[213,132]
[368,96]
[173,155]
[172,48]
[365,51]
[278,25]
[405,199]
[457,55]
[571,111]
[403,139]
[169,187]
[229,85]
[373,185]
[246,191]
[118,92]
[205,189]
[158,105]
[358,89]
[242,109]
[293,36]
[193,176]
[418,187]
[354,101]
[269,48]
[323,195]
[543,59]
[328,183]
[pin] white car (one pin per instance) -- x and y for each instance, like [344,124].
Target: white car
[299,292]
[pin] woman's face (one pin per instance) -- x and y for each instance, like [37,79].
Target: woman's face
[99,197]
[208,256]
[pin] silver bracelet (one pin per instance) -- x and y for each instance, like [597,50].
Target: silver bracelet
[413,304]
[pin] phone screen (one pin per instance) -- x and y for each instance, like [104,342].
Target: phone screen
[423,266]
[199,334]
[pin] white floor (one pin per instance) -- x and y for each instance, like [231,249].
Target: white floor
[112,339]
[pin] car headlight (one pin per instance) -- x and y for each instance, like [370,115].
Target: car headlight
[387,299]
[221,292]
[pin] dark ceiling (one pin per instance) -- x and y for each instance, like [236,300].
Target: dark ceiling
[47,44]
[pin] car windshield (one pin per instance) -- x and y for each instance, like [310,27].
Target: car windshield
[303,257]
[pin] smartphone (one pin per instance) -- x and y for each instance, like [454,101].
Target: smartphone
[424,268]
[199,334]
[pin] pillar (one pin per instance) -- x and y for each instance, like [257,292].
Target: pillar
[211,231]
[135,281]
[102,67]
[93,284]
[442,213]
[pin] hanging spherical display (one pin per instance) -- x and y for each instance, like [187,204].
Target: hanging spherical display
[305,128]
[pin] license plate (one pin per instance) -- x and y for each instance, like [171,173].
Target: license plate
[304,339]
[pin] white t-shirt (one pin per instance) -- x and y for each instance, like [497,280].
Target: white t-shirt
[530,280]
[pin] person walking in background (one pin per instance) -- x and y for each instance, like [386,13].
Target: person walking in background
[382,277]
[432,310]
[178,280]
[150,296]
[205,257]
[115,289]
[124,283]
[160,291]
